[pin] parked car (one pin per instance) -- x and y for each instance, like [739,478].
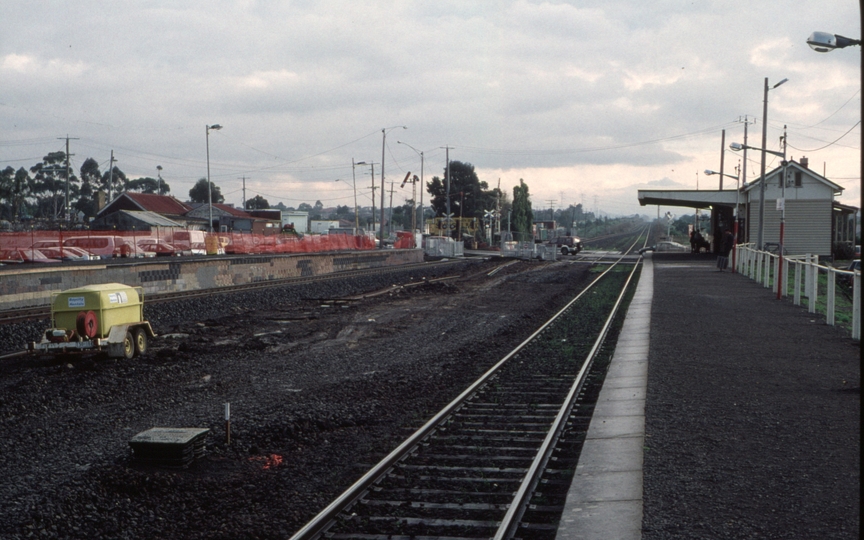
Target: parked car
[103,246]
[158,247]
[25,255]
[68,253]
[52,249]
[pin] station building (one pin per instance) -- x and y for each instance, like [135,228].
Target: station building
[814,223]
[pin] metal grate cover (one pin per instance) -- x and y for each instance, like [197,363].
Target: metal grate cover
[170,447]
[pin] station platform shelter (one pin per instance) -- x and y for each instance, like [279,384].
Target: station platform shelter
[804,200]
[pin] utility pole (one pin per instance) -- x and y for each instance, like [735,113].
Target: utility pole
[110,177]
[390,221]
[447,177]
[244,192]
[159,174]
[746,121]
[67,175]
[373,197]
[551,210]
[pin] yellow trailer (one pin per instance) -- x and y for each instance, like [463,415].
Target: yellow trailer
[108,317]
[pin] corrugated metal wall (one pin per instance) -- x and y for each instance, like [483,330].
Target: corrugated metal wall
[808,226]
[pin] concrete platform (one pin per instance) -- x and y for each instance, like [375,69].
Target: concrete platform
[605,500]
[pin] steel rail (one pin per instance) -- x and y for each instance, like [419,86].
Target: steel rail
[511,519]
[324,519]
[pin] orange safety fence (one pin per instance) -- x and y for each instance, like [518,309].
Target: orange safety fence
[168,241]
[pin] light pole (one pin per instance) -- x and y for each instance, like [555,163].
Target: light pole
[762,166]
[709,172]
[383,189]
[356,213]
[824,42]
[372,165]
[159,174]
[422,185]
[209,188]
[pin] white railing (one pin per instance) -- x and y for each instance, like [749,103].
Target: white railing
[762,267]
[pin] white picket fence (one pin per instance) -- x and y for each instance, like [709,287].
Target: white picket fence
[763,266]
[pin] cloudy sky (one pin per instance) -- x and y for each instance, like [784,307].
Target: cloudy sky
[587,101]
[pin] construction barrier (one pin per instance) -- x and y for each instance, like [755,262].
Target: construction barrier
[168,241]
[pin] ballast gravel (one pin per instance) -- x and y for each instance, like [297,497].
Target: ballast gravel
[319,389]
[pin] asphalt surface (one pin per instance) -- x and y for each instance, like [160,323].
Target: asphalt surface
[752,415]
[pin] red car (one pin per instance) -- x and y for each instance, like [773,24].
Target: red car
[25,255]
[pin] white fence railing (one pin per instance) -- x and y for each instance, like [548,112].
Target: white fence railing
[763,267]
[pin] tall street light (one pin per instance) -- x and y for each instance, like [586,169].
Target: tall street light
[383,189]
[422,185]
[209,188]
[824,42]
[372,165]
[762,167]
[709,172]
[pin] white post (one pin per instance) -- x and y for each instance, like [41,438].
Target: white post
[829,300]
[797,298]
[814,285]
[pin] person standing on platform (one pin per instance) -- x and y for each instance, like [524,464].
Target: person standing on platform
[726,248]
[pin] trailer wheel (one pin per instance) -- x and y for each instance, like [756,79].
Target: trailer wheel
[140,342]
[128,346]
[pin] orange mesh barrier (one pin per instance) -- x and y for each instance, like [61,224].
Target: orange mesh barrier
[107,244]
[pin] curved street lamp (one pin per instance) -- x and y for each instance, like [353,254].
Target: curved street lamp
[824,42]
[736,147]
[383,189]
[209,188]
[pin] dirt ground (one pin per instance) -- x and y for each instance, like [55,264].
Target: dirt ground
[321,387]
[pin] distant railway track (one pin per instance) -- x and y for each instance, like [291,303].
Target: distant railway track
[497,461]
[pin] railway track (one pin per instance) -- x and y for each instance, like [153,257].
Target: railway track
[498,460]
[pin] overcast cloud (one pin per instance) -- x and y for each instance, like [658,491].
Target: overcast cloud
[586,101]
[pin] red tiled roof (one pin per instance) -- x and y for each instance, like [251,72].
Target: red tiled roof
[236,212]
[161,204]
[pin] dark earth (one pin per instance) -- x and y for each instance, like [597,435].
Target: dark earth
[319,392]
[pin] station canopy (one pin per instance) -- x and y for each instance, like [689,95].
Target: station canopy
[689,198]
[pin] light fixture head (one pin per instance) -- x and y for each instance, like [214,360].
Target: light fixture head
[736,146]
[779,83]
[709,172]
[824,42]
[215,126]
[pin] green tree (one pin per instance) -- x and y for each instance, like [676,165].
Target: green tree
[114,183]
[522,215]
[257,203]
[49,184]
[144,185]
[304,207]
[469,197]
[198,193]
[91,182]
